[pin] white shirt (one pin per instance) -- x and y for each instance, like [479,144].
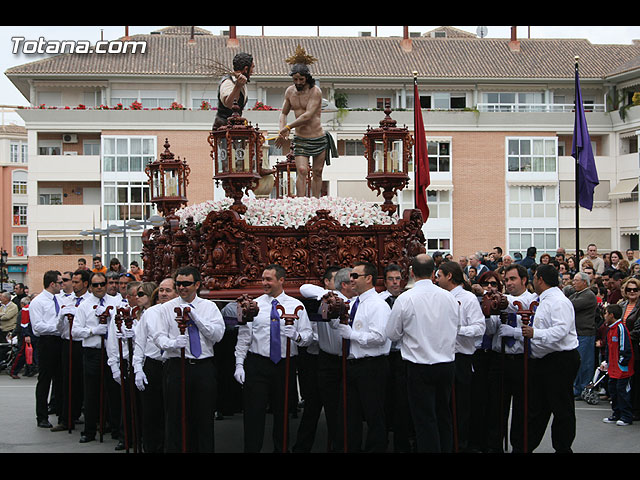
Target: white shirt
[472,322]
[144,345]
[43,315]
[255,336]
[68,305]
[554,326]
[205,315]
[425,319]
[86,319]
[369,338]
[525,300]
[328,338]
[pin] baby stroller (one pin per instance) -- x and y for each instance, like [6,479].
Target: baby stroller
[8,352]
[590,393]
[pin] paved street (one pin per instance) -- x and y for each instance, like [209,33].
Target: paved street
[20,434]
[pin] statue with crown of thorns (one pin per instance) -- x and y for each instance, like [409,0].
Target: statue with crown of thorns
[304,97]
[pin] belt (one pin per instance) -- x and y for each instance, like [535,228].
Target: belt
[364,359]
[192,361]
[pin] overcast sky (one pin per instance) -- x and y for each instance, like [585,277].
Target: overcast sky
[9,95]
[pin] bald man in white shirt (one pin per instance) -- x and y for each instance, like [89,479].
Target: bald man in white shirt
[425,321]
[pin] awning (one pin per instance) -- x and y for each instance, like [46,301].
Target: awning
[59,235]
[624,188]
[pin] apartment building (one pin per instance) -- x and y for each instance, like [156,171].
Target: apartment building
[13,205]
[498,115]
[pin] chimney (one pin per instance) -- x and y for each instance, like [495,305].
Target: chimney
[126,33]
[406,40]
[233,39]
[514,44]
[192,39]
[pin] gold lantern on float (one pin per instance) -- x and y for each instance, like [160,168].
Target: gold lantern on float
[387,150]
[168,180]
[236,150]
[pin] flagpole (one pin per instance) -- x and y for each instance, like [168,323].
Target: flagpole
[577,174]
[415,160]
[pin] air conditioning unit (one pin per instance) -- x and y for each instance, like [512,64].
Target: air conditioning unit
[69,138]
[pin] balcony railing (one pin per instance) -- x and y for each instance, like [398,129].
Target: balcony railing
[538,107]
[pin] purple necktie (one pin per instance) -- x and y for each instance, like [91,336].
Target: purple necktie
[55,302]
[194,338]
[275,352]
[352,315]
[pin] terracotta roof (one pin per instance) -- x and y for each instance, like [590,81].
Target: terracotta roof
[169,53]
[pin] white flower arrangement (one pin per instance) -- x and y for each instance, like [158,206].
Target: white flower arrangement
[293,212]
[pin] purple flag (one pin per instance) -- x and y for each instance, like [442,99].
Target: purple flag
[582,152]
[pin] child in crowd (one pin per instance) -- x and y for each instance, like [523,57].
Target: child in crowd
[619,366]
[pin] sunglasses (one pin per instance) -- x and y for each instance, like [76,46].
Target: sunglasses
[631,290]
[355,276]
[141,294]
[493,284]
[184,283]
[98,284]
[66,279]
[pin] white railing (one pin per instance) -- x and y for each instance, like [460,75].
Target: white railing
[538,107]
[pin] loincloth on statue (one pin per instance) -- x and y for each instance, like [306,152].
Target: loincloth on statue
[311,147]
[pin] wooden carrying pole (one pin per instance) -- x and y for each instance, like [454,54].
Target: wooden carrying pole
[289,319]
[526,315]
[102,319]
[182,317]
[123,400]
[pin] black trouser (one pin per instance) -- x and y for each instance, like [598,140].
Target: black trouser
[329,387]
[77,389]
[265,385]
[429,388]
[200,396]
[152,401]
[366,388]
[49,376]
[229,397]
[111,393]
[463,378]
[308,377]
[480,391]
[397,404]
[506,375]
[551,386]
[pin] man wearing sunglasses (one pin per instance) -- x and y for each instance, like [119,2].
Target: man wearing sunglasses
[205,328]
[260,354]
[470,331]
[367,363]
[43,313]
[87,326]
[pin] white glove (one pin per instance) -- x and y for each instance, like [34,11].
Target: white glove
[182,341]
[509,331]
[345,331]
[290,332]
[116,376]
[101,329]
[604,366]
[239,374]
[119,334]
[141,380]
[129,333]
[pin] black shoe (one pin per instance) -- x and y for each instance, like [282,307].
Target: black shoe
[120,446]
[87,438]
[59,428]
[219,416]
[44,424]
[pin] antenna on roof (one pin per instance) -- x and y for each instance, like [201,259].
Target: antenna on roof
[482,31]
